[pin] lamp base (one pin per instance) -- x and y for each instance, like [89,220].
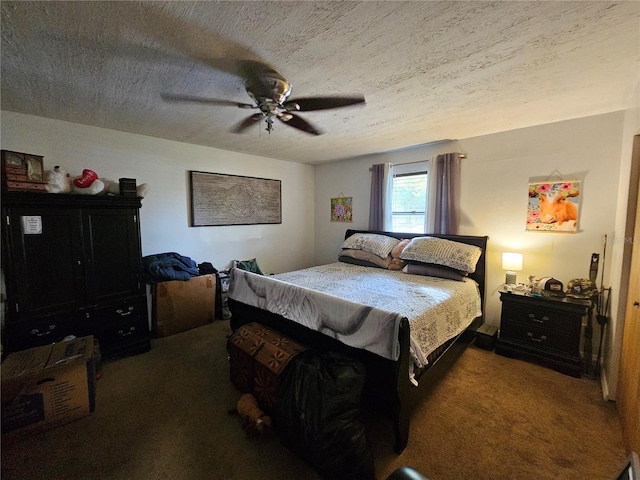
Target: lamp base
[510,279]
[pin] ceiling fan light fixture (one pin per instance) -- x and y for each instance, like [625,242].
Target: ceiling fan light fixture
[292,106]
[285,117]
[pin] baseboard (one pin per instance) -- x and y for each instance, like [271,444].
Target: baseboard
[604,385]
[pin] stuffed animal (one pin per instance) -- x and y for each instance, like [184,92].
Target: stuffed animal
[142,190]
[110,186]
[254,420]
[88,183]
[58,180]
[94,188]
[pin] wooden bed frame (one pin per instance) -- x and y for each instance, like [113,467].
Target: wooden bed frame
[387,387]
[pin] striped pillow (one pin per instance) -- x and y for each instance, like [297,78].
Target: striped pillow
[442,252]
[379,245]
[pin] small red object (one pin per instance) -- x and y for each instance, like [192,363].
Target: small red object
[88,177]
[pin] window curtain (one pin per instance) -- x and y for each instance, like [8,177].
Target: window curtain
[443,203]
[379,213]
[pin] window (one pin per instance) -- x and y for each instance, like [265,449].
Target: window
[409,198]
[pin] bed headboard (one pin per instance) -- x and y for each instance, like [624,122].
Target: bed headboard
[481,267]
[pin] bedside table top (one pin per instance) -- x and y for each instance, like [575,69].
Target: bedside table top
[546,298]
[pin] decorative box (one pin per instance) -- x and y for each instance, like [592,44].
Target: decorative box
[128,187]
[22,172]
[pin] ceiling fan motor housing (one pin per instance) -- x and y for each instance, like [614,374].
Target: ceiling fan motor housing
[269,89]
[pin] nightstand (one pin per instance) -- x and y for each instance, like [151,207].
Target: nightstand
[544,329]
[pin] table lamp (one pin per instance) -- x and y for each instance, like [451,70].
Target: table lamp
[511,262]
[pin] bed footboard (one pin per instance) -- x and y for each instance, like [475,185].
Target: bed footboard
[387,384]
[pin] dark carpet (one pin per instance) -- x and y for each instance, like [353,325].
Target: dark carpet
[164,415]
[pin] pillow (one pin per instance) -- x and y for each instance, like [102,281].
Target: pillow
[360,257]
[396,262]
[442,252]
[433,270]
[380,245]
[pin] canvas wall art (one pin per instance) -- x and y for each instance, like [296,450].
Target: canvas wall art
[553,206]
[341,209]
[218,199]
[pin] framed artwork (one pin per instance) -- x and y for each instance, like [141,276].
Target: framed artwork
[218,199]
[553,206]
[341,209]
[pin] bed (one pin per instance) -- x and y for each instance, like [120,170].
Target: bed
[391,334]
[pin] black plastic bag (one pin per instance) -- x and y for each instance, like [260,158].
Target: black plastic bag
[319,415]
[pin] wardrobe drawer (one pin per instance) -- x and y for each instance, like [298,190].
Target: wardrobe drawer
[122,325]
[120,334]
[42,331]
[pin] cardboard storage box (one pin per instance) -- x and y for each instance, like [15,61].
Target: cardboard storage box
[44,387]
[182,305]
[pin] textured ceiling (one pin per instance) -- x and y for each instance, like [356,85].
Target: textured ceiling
[429,70]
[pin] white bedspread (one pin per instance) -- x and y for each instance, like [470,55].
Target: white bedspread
[362,306]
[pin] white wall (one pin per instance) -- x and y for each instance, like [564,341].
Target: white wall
[494,181]
[164,166]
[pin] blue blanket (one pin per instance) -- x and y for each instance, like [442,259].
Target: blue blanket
[164,267]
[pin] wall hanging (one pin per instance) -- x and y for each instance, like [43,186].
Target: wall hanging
[553,206]
[218,199]
[341,209]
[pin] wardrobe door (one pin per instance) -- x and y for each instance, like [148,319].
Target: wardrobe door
[44,258]
[112,244]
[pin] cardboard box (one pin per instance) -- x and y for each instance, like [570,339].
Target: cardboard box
[183,305]
[47,386]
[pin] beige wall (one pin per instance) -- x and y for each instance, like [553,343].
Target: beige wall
[494,180]
[595,150]
[164,165]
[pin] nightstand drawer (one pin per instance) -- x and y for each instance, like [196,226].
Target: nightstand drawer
[542,338]
[542,316]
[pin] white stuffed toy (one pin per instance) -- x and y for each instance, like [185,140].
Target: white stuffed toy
[58,180]
[110,186]
[142,190]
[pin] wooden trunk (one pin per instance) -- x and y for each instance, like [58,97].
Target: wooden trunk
[258,356]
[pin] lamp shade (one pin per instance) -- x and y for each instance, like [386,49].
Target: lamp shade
[512,261]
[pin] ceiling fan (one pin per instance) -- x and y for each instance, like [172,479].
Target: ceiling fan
[270,92]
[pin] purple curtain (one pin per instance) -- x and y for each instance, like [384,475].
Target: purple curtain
[447,216]
[376,203]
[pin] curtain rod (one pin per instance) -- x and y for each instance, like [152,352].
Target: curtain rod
[461,155]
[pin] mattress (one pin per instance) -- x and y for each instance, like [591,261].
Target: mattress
[362,306]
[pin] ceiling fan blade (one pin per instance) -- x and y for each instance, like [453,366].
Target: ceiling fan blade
[169,97]
[307,104]
[299,123]
[247,122]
